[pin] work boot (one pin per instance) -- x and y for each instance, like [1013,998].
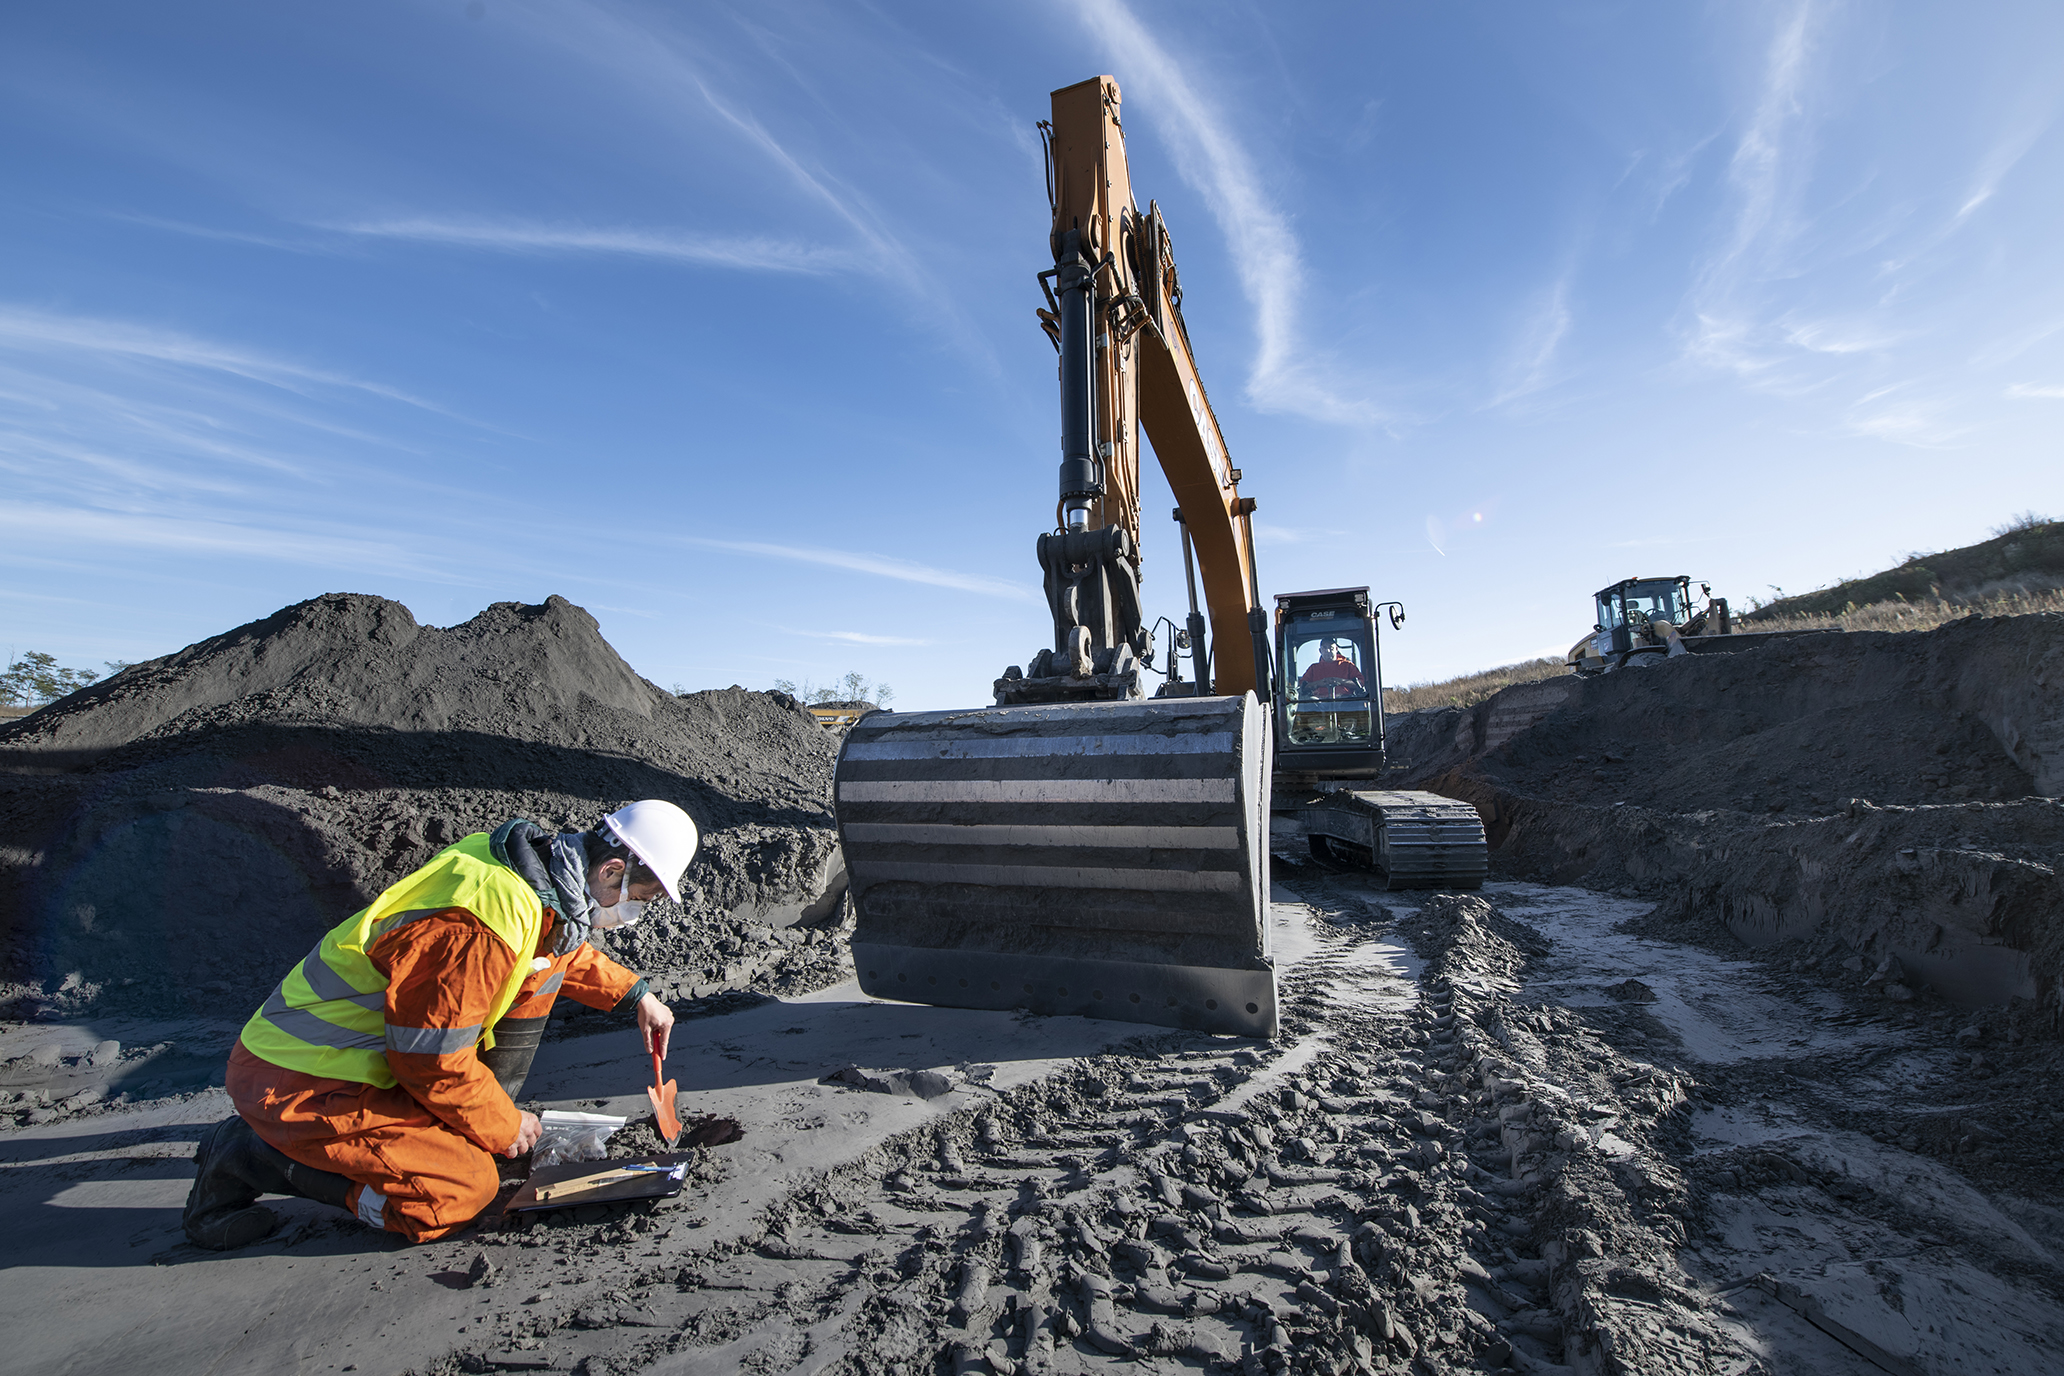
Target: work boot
[285,1175]
[222,1211]
[516,1046]
[236,1165]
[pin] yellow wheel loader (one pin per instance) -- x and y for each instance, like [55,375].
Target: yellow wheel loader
[1644,621]
[1080,847]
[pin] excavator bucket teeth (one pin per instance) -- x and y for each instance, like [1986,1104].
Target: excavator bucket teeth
[1106,859]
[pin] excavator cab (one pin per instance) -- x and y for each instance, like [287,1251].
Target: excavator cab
[1329,753]
[1329,713]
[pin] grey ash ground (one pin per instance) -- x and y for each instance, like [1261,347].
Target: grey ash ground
[1694,1086]
[1469,1152]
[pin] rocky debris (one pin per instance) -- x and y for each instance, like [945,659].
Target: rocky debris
[180,833]
[916,1084]
[1488,1167]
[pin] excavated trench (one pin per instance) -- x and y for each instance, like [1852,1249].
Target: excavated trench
[1741,1063]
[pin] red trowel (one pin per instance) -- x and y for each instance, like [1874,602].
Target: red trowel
[664,1116]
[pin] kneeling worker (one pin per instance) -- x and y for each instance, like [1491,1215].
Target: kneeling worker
[382,1072]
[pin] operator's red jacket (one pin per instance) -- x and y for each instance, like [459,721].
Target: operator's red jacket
[1329,669]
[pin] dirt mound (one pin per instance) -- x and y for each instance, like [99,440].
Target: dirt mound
[179,833]
[1896,792]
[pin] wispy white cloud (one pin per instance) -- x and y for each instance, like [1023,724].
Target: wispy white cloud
[1533,364]
[1726,332]
[76,531]
[227,236]
[1902,413]
[648,54]
[2015,344]
[750,253]
[2046,391]
[1841,337]
[855,637]
[40,330]
[1265,250]
[880,565]
[2009,150]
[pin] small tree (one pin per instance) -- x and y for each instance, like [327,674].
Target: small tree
[852,688]
[35,679]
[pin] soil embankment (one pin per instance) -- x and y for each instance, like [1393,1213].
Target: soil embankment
[1893,795]
[177,835]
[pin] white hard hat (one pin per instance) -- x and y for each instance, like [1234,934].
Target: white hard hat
[658,833]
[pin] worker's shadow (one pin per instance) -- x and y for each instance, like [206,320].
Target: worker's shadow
[118,1212]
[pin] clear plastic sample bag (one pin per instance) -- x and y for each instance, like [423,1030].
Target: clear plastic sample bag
[569,1136]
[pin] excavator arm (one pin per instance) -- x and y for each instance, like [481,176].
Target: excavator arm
[1075,849]
[1115,318]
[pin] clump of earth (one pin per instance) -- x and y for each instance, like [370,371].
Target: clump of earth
[177,835]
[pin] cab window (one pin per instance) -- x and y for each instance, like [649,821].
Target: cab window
[1656,604]
[1328,665]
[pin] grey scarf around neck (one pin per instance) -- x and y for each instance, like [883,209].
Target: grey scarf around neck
[560,877]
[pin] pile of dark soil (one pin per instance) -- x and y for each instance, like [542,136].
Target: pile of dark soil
[177,835]
[1894,792]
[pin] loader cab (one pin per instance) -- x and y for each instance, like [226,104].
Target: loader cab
[1329,689]
[1626,608]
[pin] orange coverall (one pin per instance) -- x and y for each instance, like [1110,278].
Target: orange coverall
[421,1153]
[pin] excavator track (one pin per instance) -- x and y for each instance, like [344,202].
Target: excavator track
[1415,840]
[1104,859]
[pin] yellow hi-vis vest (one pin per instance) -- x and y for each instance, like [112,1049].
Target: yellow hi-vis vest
[328,1016]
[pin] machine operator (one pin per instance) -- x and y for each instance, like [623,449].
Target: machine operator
[1334,675]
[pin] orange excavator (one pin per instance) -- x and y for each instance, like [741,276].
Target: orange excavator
[1080,847]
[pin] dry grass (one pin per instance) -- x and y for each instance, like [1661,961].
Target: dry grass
[1923,615]
[1470,689]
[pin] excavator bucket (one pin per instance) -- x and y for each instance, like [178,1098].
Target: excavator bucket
[1107,859]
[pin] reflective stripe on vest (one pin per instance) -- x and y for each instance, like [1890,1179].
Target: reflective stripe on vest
[328,1016]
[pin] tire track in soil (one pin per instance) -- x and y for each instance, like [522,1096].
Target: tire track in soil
[1420,1176]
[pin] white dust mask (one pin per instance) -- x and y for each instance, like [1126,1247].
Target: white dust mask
[625,911]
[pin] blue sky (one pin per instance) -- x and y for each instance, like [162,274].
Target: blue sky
[718,320]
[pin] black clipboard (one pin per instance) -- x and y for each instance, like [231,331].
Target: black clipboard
[649,1184]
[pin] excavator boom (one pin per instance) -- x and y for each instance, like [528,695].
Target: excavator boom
[1080,848]
[1115,319]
